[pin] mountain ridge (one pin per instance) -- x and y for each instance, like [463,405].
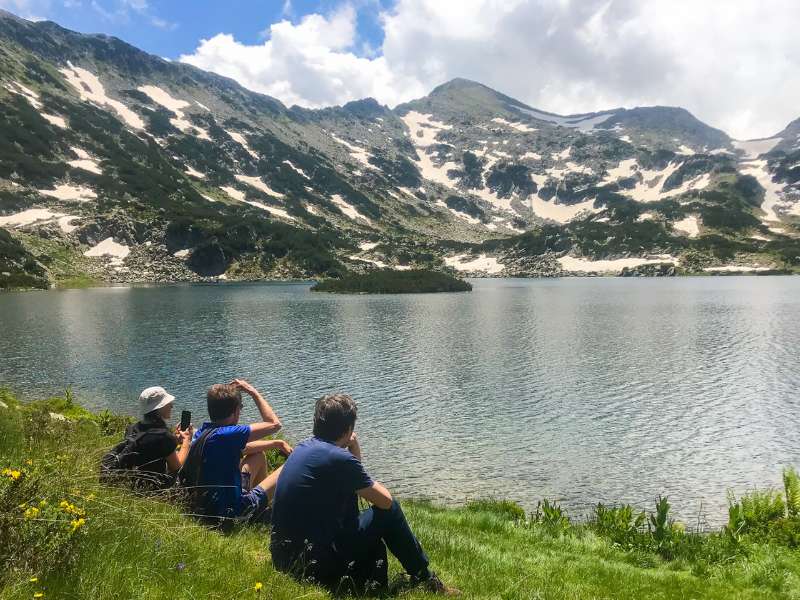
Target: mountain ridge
[140,169]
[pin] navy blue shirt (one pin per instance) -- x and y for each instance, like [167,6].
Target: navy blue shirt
[221,470]
[315,498]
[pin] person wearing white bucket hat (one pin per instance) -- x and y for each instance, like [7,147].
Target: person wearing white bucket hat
[150,453]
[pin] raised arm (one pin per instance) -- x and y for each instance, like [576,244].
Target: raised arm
[270,422]
[375,494]
[176,459]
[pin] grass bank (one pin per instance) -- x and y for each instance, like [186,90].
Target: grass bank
[63,535]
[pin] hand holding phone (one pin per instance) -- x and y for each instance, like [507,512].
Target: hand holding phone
[186,420]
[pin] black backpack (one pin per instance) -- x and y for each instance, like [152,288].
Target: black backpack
[119,464]
[190,475]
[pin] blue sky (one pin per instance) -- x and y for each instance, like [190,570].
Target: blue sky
[562,56]
[170,28]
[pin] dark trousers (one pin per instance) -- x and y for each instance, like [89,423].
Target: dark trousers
[356,561]
[362,553]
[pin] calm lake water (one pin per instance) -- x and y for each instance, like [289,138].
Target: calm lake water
[582,390]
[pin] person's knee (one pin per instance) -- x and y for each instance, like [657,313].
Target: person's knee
[253,463]
[393,512]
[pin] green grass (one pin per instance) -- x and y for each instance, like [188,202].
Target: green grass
[139,547]
[67,266]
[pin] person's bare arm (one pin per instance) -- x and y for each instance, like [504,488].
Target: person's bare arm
[271,423]
[378,495]
[354,446]
[176,459]
[264,445]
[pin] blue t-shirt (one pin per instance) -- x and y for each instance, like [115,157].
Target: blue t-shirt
[315,498]
[221,473]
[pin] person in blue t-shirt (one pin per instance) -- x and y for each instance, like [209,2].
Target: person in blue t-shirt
[227,459]
[317,530]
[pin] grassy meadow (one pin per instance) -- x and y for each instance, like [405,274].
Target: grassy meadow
[62,535]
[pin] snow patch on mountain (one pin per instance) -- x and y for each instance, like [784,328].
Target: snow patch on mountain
[690,226]
[583,265]
[296,169]
[258,184]
[624,170]
[84,161]
[755,148]
[159,96]
[16,87]
[111,249]
[560,213]
[233,193]
[66,191]
[518,126]
[348,209]
[273,210]
[242,141]
[581,122]
[423,135]
[39,215]
[55,120]
[360,154]
[194,173]
[90,89]
[773,190]
[481,264]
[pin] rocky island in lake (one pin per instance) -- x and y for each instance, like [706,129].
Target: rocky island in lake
[388,281]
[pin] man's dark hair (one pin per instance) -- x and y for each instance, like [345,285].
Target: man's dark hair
[334,415]
[222,401]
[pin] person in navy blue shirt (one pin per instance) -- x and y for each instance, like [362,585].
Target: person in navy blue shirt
[231,469]
[318,533]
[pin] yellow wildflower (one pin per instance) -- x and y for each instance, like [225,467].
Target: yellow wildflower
[39,595]
[33,579]
[42,502]
[63,504]
[77,524]
[12,473]
[32,513]
[259,586]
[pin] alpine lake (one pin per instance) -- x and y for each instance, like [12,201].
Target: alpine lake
[581,390]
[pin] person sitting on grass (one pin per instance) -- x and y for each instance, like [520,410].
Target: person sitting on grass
[318,533]
[226,471]
[148,458]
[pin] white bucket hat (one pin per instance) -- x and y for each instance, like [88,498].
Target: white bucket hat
[154,398]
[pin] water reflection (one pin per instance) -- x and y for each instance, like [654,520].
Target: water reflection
[584,390]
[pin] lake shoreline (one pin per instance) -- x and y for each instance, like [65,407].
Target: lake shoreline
[477,276]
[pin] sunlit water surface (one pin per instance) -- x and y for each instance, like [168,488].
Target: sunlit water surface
[582,390]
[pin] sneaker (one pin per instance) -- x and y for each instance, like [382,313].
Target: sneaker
[436,586]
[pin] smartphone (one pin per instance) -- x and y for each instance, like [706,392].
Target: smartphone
[186,420]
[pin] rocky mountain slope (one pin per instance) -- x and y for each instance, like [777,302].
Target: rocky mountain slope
[116,165]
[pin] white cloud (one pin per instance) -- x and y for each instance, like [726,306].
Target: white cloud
[733,64]
[27,9]
[310,63]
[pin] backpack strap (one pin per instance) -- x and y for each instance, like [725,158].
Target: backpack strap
[192,470]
